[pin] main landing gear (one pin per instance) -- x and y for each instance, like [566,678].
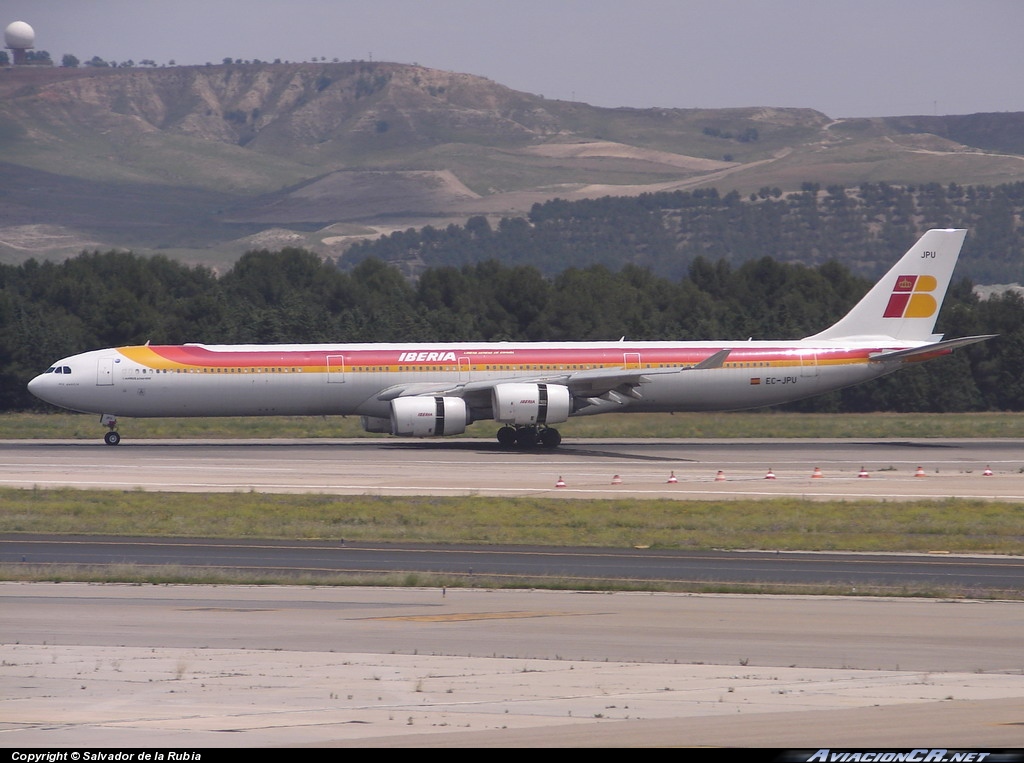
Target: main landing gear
[529,437]
[112,437]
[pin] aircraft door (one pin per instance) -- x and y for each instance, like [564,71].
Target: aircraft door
[105,372]
[631,361]
[335,369]
[808,364]
[463,369]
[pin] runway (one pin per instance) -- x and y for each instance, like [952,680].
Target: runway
[702,469]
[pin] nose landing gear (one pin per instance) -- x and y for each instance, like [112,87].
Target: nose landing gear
[112,437]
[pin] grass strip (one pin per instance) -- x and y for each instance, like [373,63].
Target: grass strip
[785,524]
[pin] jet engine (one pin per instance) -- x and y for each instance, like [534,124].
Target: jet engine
[428,416]
[531,404]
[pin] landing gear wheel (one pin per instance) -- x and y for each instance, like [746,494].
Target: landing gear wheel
[550,438]
[111,438]
[526,437]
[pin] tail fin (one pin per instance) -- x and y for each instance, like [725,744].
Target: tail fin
[905,303]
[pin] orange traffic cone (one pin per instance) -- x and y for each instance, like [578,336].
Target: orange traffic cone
[616,480]
[560,483]
[920,472]
[987,472]
[863,474]
[720,477]
[770,475]
[672,479]
[816,474]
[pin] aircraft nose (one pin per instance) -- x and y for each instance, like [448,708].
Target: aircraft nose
[38,386]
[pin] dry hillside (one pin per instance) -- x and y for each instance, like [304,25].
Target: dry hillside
[201,162]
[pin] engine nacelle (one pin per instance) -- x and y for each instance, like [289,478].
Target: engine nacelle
[531,404]
[375,424]
[428,416]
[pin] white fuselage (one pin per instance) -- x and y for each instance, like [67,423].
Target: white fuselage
[195,380]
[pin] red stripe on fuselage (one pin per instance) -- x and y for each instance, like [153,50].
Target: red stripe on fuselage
[617,356]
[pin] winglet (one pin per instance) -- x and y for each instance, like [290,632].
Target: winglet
[905,303]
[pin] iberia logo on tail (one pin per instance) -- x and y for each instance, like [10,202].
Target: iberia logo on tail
[911,298]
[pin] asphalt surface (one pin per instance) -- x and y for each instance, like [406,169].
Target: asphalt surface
[197,666]
[183,667]
[482,565]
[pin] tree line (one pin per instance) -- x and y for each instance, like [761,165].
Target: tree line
[866,228]
[50,310]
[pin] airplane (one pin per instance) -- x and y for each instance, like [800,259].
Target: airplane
[437,390]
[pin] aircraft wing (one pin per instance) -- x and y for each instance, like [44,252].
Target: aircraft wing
[589,384]
[928,351]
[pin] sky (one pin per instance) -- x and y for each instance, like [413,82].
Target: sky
[846,58]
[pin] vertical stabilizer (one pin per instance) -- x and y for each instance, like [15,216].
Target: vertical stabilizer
[905,303]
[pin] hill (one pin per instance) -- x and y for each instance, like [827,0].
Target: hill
[205,162]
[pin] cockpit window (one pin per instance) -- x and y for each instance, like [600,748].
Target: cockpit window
[50,370]
[66,369]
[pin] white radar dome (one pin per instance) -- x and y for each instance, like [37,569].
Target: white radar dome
[19,35]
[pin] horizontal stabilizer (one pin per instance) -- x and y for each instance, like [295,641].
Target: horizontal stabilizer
[928,351]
